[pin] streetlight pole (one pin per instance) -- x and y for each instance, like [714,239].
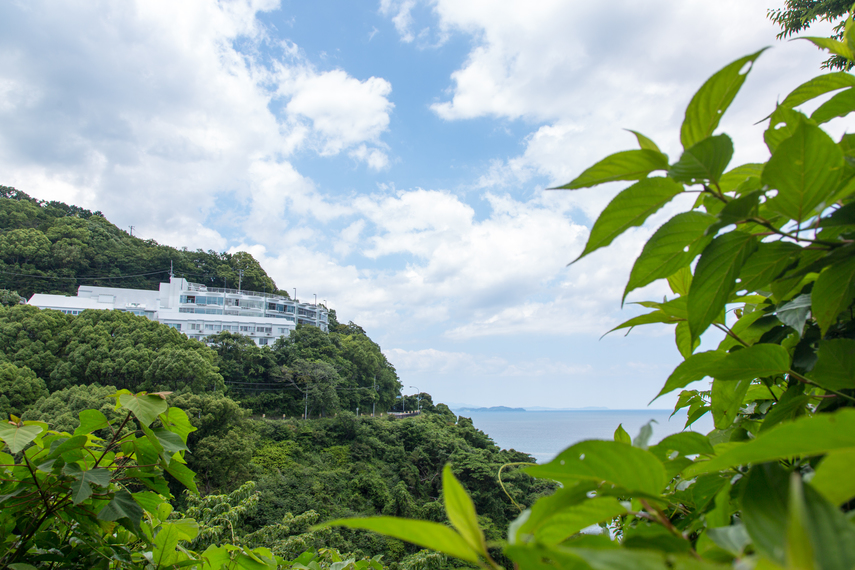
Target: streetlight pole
[418,399]
[295,294]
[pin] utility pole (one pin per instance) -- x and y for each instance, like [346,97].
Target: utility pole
[295,294]
[240,278]
[171,275]
[132,230]
[418,398]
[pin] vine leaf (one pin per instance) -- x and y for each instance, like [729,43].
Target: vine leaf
[713,98]
[644,142]
[766,264]
[91,420]
[833,478]
[628,209]
[726,399]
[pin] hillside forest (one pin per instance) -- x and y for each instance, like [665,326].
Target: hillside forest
[252,454]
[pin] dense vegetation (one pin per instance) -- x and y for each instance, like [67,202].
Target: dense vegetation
[767,257]
[51,247]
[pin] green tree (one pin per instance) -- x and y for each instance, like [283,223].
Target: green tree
[798,15]
[20,388]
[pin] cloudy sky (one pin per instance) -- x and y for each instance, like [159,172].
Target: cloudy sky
[392,157]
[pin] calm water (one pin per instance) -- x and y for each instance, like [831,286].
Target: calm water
[545,434]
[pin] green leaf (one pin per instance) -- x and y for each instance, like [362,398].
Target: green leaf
[183,474]
[165,546]
[626,165]
[621,435]
[176,420]
[805,170]
[422,533]
[572,519]
[680,281]
[461,511]
[783,123]
[833,478]
[171,442]
[726,399]
[795,313]
[736,176]
[145,407]
[715,278]
[644,142]
[645,319]
[628,209]
[683,338]
[121,506]
[672,247]
[806,436]
[757,361]
[704,161]
[840,105]
[694,368]
[684,443]
[712,100]
[835,364]
[844,216]
[148,501]
[17,437]
[817,86]
[91,420]
[834,46]
[737,210]
[831,535]
[630,468]
[833,292]
[81,488]
[764,509]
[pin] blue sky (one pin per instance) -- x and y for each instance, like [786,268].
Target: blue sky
[392,157]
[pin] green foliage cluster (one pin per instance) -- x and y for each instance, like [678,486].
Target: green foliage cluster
[767,257]
[310,369]
[102,347]
[51,247]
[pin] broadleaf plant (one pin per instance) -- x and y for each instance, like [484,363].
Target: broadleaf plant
[767,257]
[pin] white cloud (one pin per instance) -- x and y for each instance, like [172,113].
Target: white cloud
[400,10]
[444,362]
[149,112]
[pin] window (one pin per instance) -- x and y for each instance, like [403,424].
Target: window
[194,326]
[264,329]
[262,342]
[188,298]
[186,310]
[212,327]
[176,326]
[246,328]
[283,330]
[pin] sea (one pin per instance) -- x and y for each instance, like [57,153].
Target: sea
[544,434]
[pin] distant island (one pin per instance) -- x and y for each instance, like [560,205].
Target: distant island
[457,407]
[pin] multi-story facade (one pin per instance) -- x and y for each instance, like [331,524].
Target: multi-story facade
[197,310]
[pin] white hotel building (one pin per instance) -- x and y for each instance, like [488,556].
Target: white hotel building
[196,310]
